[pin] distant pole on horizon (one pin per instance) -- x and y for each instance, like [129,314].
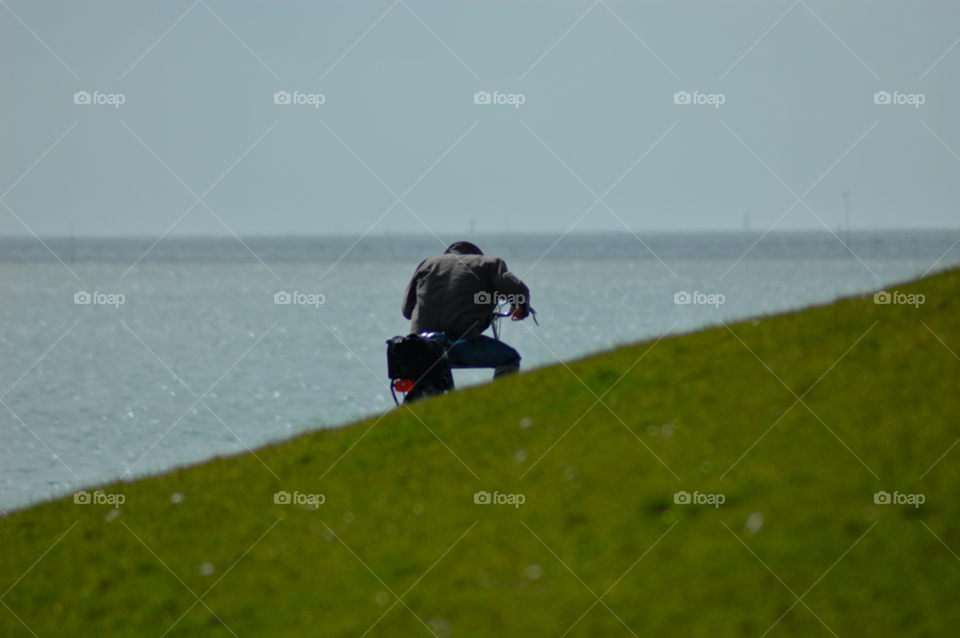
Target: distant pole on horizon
[846,214]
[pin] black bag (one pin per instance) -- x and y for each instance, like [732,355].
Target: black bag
[422,363]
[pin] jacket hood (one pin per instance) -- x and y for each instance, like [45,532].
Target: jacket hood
[463,248]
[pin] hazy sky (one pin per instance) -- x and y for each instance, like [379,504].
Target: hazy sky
[398,81]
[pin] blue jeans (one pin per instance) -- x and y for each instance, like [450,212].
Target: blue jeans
[482,353]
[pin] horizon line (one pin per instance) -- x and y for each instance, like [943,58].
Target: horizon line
[486,233]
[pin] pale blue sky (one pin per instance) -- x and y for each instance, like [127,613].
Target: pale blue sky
[595,102]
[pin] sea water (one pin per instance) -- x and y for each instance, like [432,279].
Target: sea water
[199,360]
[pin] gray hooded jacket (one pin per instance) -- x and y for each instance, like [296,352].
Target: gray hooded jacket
[455,292]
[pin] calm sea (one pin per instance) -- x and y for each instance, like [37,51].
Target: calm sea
[94,392]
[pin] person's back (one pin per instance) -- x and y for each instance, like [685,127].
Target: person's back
[455,294]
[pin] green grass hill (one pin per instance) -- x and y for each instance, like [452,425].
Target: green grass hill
[797,420]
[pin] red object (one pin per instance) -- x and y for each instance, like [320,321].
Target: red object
[403,385]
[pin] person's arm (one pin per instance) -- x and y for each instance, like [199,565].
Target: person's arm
[410,295]
[506,283]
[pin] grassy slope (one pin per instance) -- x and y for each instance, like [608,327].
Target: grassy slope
[599,499]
